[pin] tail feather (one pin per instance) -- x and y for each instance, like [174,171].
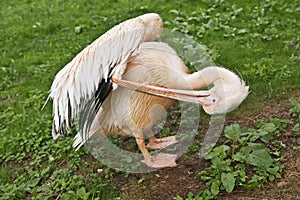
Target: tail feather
[78,141]
[55,133]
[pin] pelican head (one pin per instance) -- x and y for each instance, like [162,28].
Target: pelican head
[227,93]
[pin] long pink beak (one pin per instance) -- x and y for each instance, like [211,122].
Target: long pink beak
[200,97]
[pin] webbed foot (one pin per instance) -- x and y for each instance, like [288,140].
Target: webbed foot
[161,160]
[161,143]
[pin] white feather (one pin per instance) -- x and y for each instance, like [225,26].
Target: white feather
[77,82]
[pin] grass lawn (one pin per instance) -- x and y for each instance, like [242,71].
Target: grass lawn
[260,41]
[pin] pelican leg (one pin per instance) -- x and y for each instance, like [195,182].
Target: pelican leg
[141,144]
[159,161]
[159,143]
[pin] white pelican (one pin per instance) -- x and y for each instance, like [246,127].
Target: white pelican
[148,73]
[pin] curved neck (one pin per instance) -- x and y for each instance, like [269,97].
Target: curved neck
[205,77]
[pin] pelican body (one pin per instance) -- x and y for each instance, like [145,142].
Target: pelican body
[132,84]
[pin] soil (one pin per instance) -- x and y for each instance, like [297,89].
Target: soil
[167,183]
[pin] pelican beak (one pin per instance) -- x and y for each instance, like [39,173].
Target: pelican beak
[201,97]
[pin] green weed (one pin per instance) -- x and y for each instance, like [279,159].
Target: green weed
[295,111]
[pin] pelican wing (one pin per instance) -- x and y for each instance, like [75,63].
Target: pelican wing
[87,76]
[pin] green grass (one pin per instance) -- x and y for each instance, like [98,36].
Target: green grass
[258,40]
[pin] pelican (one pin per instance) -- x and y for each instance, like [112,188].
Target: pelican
[123,75]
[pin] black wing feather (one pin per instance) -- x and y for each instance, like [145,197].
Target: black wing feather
[91,108]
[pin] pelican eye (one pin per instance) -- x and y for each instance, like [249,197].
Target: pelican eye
[214,100]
